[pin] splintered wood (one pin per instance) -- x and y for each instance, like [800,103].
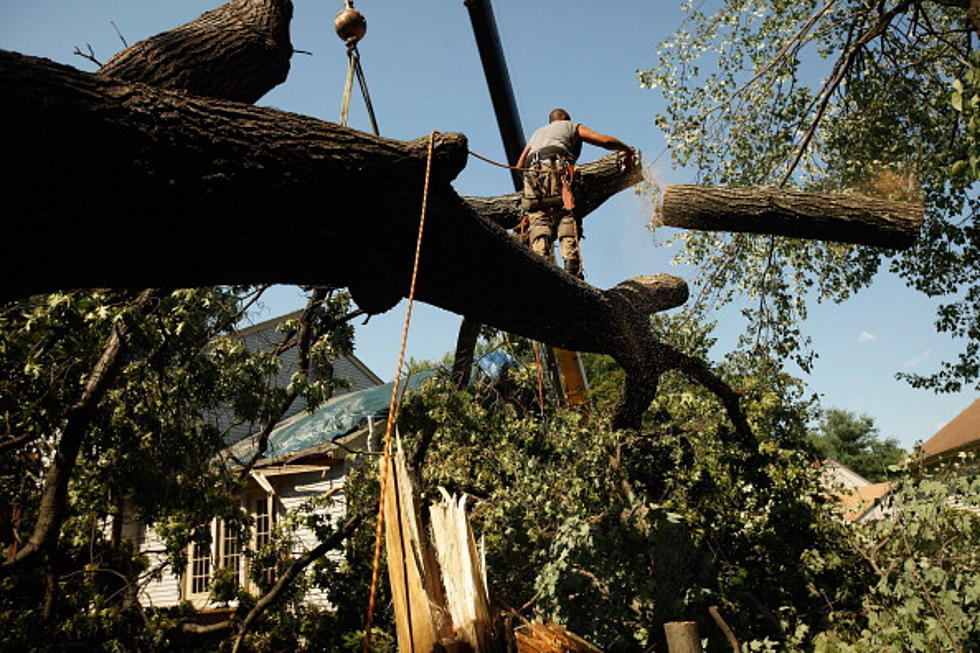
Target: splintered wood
[439,583]
[536,637]
[415,621]
[439,592]
[463,573]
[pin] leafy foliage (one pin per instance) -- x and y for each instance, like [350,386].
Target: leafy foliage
[150,446]
[925,556]
[894,117]
[613,533]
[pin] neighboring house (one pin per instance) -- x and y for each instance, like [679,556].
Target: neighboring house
[864,501]
[306,457]
[961,434]
[860,499]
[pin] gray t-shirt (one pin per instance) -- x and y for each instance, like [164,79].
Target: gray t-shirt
[561,134]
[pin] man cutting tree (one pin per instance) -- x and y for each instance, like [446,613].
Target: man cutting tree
[549,157]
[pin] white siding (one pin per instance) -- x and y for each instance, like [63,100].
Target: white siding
[295,489]
[837,475]
[164,592]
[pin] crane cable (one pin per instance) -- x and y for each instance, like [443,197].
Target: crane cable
[389,428]
[354,68]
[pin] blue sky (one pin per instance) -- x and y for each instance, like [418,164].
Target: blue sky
[424,73]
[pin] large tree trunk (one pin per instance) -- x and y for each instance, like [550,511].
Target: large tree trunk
[820,216]
[235,52]
[117,184]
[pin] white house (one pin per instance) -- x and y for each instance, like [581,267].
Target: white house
[306,457]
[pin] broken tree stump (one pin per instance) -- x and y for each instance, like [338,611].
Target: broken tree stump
[820,216]
[682,637]
[438,581]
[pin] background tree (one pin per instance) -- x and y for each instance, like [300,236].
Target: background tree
[894,117]
[853,440]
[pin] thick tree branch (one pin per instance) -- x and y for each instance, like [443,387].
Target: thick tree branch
[820,216]
[235,52]
[206,629]
[242,194]
[595,182]
[52,506]
[696,370]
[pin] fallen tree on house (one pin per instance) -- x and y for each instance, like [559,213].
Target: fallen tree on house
[167,189]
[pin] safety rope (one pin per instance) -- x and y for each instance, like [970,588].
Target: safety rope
[504,165]
[389,428]
[540,369]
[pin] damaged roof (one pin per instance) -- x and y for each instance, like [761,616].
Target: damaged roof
[337,417]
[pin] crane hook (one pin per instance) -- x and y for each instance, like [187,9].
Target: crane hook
[350,24]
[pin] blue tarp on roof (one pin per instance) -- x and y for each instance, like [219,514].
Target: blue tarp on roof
[337,417]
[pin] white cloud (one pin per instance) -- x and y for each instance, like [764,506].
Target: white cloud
[864,336]
[917,360]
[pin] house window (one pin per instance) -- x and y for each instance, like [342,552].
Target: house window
[225,551]
[231,550]
[200,574]
[265,518]
[263,522]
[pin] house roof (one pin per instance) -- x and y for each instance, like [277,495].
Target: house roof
[270,326]
[859,500]
[335,418]
[962,432]
[855,494]
[836,473]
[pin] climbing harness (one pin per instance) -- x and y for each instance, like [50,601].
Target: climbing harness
[351,26]
[392,419]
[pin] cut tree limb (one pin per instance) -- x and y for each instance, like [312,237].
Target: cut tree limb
[819,216]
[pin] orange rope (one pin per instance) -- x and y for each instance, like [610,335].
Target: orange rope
[540,369]
[504,165]
[393,416]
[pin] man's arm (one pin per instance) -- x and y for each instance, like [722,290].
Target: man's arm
[523,156]
[604,141]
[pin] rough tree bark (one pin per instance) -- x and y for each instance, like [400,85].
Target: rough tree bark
[821,216]
[118,184]
[235,52]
